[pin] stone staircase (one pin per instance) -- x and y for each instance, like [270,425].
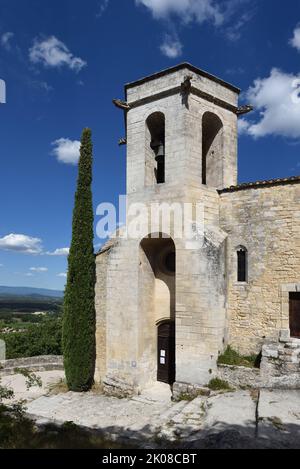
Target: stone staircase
[182,420]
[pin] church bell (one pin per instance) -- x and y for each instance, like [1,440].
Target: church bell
[159,149]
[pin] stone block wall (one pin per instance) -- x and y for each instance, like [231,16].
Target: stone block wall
[266,221]
[279,369]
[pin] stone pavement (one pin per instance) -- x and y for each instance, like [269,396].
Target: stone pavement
[241,419]
[17,382]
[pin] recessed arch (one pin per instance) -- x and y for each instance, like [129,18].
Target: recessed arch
[157,299]
[212,150]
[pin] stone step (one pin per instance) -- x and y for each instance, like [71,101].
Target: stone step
[197,406]
[176,409]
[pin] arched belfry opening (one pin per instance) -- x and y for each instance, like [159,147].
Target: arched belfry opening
[157,290]
[155,149]
[212,150]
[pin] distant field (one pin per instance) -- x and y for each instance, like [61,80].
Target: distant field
[27,334]
[28,304]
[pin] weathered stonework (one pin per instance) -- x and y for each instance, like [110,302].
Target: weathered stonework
[280,366]
[267,222]
[33,364]
[186,391]
[210,308]
[240,376]
[279,369]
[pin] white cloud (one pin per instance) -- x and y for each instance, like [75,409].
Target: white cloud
[277,97]
[243,126]
[171,47]
[21,243]
[51,52]
[66,150]
[63,274]
[187,10]
[29,274]
[295,41]
[59,252]
[6,40]
[234,30]
[38,269]
[226,15]
[1,265]
[103,5]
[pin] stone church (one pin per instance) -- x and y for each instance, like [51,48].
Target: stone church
[165,310]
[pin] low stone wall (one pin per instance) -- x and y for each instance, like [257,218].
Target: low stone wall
[181,391]
[240,376]
[34,364]
[280,366]
[279,369]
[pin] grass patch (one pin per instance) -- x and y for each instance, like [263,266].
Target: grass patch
[60,387]
[185,397]
[217,384]
[232,357]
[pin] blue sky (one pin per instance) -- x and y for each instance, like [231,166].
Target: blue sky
[64,61]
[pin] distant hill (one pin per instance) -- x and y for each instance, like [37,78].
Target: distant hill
[32,292]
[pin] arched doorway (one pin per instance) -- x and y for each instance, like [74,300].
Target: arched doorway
[166,352]
[157,307]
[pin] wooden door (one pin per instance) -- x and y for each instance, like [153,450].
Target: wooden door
[295,314]
[166,352]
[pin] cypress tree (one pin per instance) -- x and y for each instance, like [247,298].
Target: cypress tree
[79,300]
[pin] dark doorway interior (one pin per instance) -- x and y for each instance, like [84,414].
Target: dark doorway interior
[166,352]
[295,314]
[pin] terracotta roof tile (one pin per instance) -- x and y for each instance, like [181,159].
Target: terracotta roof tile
[261,184]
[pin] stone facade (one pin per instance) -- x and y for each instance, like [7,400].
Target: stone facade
[266,221]
[210,309]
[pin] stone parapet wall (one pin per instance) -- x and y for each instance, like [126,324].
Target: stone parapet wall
[34,364]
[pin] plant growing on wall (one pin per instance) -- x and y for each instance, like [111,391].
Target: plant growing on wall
[79,301]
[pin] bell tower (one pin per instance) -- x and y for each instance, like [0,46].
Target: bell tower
[181,129]
[181,135]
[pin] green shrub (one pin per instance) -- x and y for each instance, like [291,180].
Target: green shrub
[231,357]
[217,384]
[39,339]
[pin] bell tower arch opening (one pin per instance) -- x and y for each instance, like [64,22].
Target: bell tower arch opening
[155,149]
[212,150]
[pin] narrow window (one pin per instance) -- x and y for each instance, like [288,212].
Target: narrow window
[242,264]
[155,149]
[295,315]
